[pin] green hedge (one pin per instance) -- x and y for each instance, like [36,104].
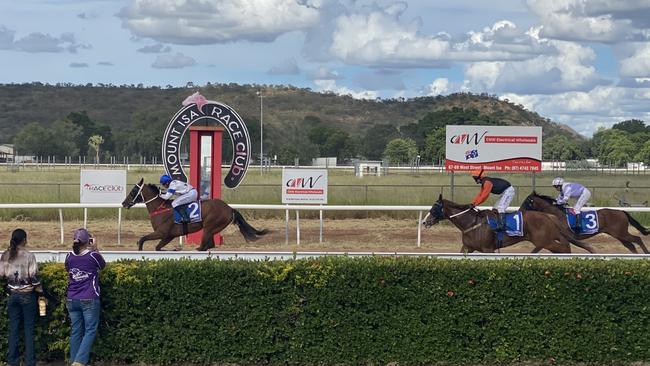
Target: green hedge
[363,310]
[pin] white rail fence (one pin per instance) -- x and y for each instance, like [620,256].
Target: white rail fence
[287,208]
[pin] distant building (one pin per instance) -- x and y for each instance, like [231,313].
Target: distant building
[367,167]
[324,162]
[7,153]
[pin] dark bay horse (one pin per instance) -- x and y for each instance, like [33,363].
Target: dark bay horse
[216,215]
[543,230]
[613,222]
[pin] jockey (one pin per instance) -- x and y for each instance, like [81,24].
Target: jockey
[571,190]
[496,186]
[185,192]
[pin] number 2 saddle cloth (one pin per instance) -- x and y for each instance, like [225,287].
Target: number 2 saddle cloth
[588,222]
[193,210]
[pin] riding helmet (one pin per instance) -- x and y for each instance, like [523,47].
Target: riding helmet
[558,182]
[165,179]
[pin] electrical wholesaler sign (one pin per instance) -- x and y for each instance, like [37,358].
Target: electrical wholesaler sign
[493,148]
[304,186]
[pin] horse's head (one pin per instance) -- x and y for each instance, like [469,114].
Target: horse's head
[135,196]
[435,214]
[529,202]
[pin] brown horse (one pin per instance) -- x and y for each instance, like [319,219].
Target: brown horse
[216,215]
[613,222]
[544,231]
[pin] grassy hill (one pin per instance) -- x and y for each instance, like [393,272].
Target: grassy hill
[285,108]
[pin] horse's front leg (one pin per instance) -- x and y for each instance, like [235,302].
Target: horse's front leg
[152,236]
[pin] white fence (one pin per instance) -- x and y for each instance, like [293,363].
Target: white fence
[287,208]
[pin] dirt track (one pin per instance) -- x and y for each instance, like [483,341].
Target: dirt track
[338,235]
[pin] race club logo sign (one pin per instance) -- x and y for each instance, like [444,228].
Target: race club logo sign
[195,108]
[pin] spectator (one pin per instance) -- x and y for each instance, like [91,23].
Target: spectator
[83,265]
[18,265]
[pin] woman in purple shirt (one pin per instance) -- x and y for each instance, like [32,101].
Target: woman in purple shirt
[83,265]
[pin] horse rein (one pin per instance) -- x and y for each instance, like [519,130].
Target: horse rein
[140,187]
[460,213]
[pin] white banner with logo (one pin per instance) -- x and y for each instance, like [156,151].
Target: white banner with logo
[304,186]
[494,148]
[102,186]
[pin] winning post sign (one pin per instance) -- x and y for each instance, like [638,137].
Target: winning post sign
[493,148]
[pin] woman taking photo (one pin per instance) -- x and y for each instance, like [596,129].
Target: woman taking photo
[19,267]
[83,265]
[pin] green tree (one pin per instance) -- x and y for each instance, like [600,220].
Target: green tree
[613,146]
[59,140]
[95,141]
[435,146]
[644,153]
[90,128]
[144,136]
[401,150]
[631,126]
[33,139]
[559,147]
[377,138]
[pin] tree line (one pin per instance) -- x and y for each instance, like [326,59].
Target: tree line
[79,135]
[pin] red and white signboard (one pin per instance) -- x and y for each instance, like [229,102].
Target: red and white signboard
[102,186]
[304,186]
[494,148]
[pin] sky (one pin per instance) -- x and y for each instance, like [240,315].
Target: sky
[584,63]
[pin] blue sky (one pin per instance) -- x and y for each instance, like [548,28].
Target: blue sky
[582,63]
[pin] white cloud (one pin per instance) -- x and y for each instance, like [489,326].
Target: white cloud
[323,73]
[287,67]
[217,21]
[594,20]
[39,42]
[568,69]
[330,86]
[176,61]
[638,64]
[438,86]
[586,111]
[376,36]
[78,65]
[155,48]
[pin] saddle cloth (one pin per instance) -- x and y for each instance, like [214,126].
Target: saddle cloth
[588,222]
[514,224]
[193,210]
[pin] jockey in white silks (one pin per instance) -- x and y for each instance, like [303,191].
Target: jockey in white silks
[185,192]
[572,190]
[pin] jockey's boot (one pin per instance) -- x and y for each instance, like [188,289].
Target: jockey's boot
[182,212]
[501,222]
[578,223]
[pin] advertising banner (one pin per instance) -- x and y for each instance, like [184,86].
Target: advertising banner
[102,186]
[304,186]
[493,148]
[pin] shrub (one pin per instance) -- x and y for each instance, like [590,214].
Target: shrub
[341,310]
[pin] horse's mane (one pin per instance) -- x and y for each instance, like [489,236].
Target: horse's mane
[457,205]
[550,200]
[153,187]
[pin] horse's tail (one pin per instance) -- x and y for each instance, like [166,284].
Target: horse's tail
[250,233]
[636,224]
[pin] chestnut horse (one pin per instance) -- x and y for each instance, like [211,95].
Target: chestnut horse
[216,215]
[613,222]
[543,230]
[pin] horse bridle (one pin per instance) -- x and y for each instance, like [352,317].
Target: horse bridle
[140,187]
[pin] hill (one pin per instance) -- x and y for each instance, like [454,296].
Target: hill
[288,111]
